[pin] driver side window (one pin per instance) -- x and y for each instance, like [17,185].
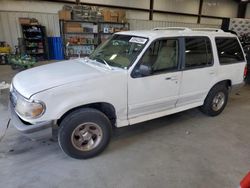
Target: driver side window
[161,56]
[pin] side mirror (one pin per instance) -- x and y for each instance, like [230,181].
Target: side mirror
[145,70]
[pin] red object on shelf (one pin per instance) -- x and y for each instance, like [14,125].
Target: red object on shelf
[245,182]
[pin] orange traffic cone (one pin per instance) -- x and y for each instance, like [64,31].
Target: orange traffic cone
[245,182]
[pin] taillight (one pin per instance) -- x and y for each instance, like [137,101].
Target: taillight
[245,72]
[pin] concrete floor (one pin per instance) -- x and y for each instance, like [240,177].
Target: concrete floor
[187,149]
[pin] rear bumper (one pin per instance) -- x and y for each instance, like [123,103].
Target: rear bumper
[24,128]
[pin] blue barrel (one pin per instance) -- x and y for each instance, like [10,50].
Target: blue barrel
[55,48]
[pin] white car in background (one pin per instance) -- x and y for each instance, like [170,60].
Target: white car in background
[133,77]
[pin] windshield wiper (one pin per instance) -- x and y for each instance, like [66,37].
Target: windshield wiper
[105,62]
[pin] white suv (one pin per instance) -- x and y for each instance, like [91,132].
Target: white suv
[133,77]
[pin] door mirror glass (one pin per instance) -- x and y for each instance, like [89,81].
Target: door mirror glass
[145,70]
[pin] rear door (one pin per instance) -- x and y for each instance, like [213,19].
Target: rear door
[198,70]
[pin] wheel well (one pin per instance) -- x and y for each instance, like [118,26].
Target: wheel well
[106,108]
[227,83]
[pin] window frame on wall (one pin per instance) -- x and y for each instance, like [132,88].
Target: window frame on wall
[219,52]
[178,54]
[208,44]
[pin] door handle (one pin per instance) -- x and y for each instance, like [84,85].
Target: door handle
[212,72]
[173,78]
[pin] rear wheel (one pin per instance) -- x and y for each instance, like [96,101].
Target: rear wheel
[216,100]
[84,133]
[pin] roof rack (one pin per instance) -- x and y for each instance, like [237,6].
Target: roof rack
[188,29]
[172,28]
[208,29]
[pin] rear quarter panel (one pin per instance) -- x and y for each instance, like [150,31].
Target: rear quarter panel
[234,71]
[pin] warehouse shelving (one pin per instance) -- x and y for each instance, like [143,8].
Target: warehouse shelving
[35,41]
[82,45]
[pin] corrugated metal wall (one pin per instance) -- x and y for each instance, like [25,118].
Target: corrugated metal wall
[183,6]
[10,27]
[223,8]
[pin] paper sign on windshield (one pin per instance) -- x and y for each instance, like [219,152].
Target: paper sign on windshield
[138,40]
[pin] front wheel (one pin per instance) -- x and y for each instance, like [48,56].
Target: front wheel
[216,100]
[84,133]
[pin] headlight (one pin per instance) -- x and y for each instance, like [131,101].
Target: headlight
[11,87]
[28,109]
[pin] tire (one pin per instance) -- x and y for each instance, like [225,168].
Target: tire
[84,133]
[210,107]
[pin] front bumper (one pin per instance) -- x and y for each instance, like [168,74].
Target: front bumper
[24,128]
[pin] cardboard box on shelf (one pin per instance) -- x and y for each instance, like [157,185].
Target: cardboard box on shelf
[114,13]
[111,30]
[64,15]
[106,15]
[34,21]
[73,24]
[116,30]
[24,21]
[122,16]
[74,29]
[114,19]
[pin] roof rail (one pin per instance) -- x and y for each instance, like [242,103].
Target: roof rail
[172,28]
[208,29]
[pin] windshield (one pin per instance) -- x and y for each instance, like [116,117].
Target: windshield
[119,51]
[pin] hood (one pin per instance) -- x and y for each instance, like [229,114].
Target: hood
[45,77]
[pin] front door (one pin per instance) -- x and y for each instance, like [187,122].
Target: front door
[158,89]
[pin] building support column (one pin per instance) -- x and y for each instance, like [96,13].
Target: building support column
[151,10]
[200,12]
[242,7]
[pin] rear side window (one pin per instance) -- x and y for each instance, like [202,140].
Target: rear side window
[229,50]
[198,52]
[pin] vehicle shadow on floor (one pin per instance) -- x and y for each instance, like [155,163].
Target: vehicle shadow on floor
[133,133]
